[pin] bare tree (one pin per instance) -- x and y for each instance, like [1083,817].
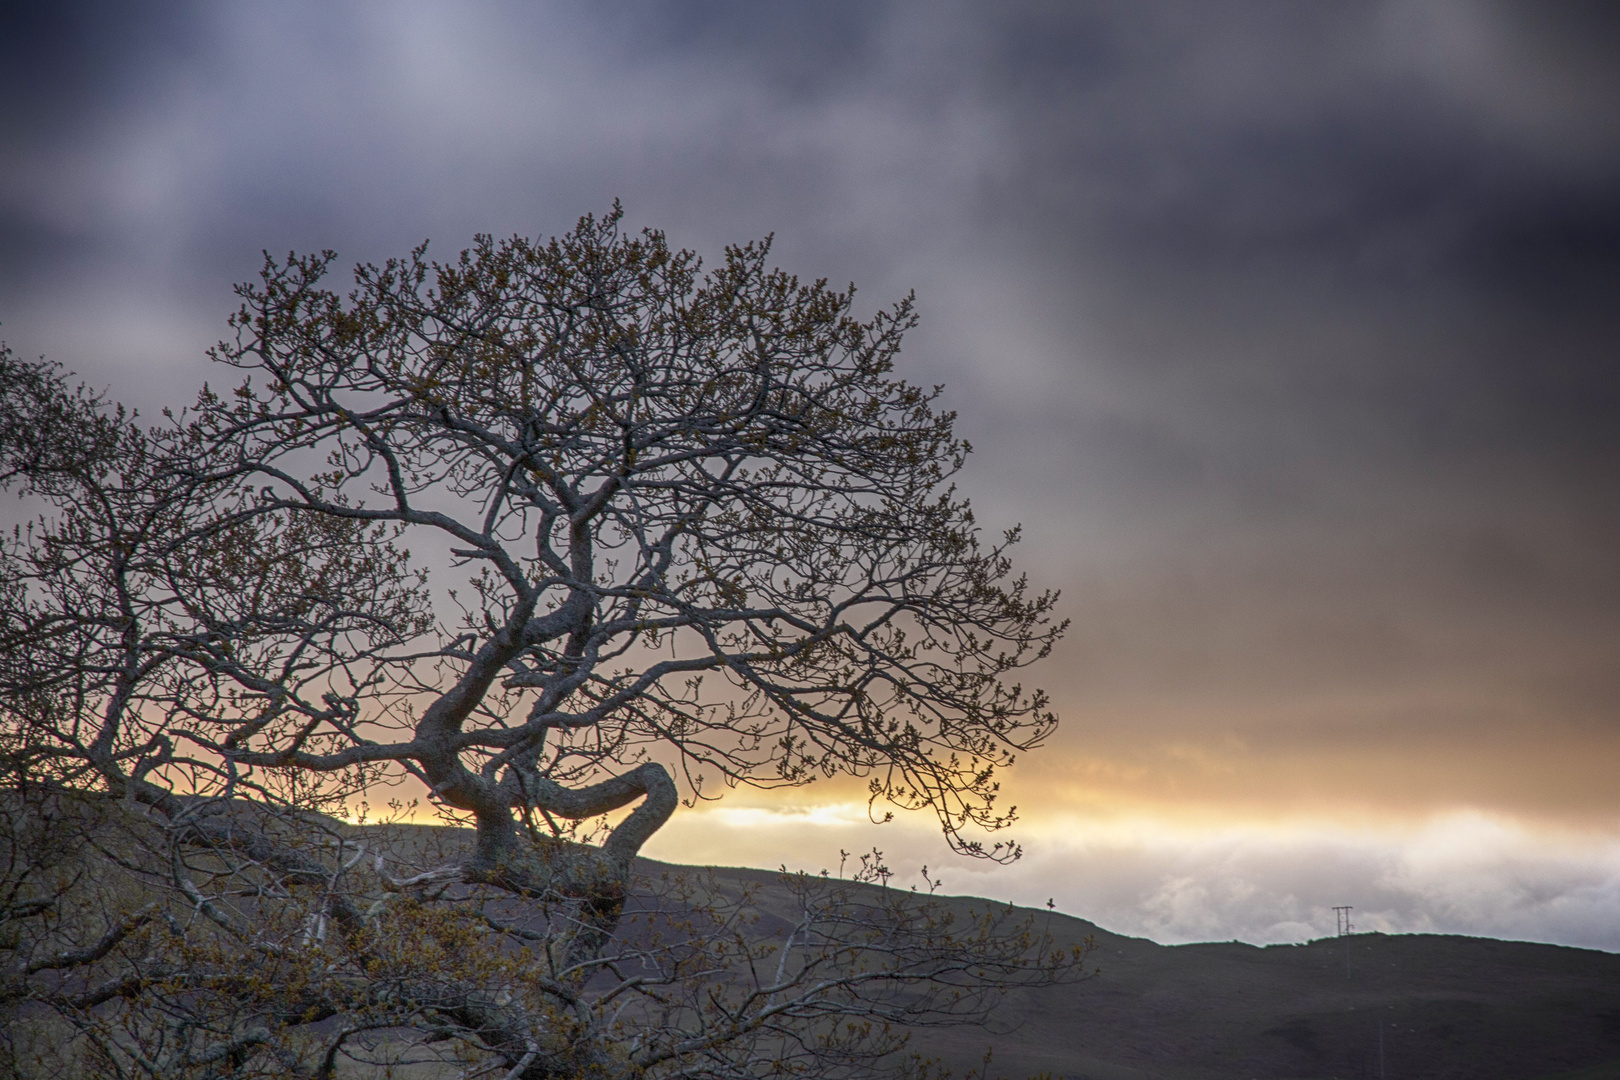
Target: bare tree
[708,539]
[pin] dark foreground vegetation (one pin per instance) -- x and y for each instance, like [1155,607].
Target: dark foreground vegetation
[107,969]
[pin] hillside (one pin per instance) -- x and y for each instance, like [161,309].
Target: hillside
[1413,1006]
[1447,1007]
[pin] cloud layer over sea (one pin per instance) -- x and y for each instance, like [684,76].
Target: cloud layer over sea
[1463,872]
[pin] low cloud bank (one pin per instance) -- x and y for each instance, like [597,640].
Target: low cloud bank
[1462,872]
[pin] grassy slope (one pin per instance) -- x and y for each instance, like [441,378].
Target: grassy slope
[1449,1007]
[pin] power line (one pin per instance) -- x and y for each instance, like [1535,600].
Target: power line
[1342,920]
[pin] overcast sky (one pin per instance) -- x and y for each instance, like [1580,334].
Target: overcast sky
[1288,330]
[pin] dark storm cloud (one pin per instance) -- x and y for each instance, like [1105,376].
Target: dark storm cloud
[1278,213]
[65,62]
[1347,302]
[1288,328]
[70,70]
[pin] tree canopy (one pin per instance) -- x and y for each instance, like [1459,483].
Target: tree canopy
[674,530]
